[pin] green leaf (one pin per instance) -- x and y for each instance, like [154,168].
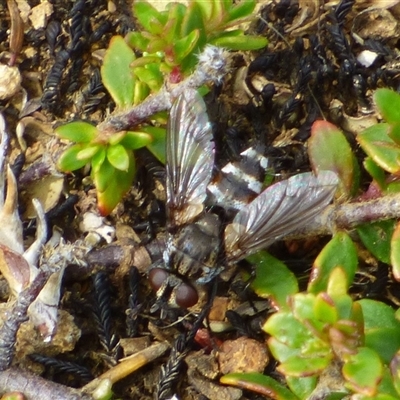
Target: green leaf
[376,142]
[304,367]
[287,329]
[339,252]
[117,187]
[140,93]
[98,159]
[137,41]
[103,175]
[68,160]
[363,371]
[380,322]
[186,45]
[329,150]
[193,20]
[77,131]
[118,157]
[116,72]
[376,172]
[176,13]
[151,75]
[245,42]
[388,103]
[376,237]
[136,140]
[157,146]
[259,383]
[241,10]
[273,279]
[302,387]
[88,152]
[147,15]
[394,132]
[395,253]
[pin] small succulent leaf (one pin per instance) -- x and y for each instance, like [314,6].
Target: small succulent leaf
[388,103]
[194,20]
[325,310]
[302,305]
[157,146]
[118,157]
[339,252]
[337,283]
[103,175]
[204,10]
[302,387]
[258,383]
[98,159]
[363,371]
[287,329]
[380,322]
[147,14]
[304,367]
[137,41]
[77,131]
[395,252]
[115,138]
[329,150]
[377,237]
[116,72]
[376,172]
[151,75]
[145,60]
[87,152]
[142,90]
[394,132]
[155,27]
[241,10]
[136,140]
[186,45]
[156,45]
[282,351]
[273,279]
[68,160]
[176,13]
[244,43]
[376,142]
[117,188]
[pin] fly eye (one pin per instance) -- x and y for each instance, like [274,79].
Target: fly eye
[186,296]
[157,276]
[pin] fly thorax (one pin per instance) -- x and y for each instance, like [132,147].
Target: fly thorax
[194,249]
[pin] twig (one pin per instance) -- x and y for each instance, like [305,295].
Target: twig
[212,67]
[35,387]
[16,316]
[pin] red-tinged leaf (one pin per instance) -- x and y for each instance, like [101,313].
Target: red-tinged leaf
[328,149]
[304,367]
[259,383]
[388,102]
[395,252]
[116,72]
[273,279]
[77,131]
[339,252]
[119,185]
[363,371]
[377,143]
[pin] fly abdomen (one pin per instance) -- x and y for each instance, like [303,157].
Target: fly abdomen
[239,182]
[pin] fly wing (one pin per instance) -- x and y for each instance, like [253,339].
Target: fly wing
[277,211]
[189,158]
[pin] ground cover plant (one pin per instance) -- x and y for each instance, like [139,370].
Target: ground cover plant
[314,317]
